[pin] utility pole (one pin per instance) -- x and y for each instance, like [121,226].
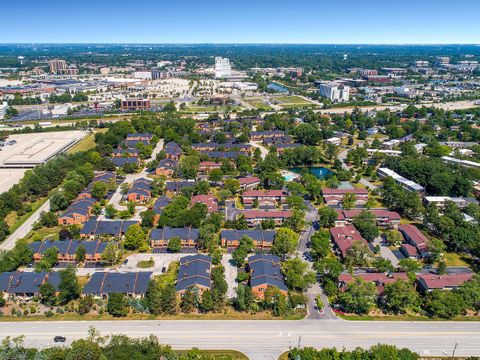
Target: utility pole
[454,349]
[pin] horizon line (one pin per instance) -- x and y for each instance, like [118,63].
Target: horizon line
[236,43]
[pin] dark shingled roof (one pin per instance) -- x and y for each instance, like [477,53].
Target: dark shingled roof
[194,270]
[19,282]
[256,235]
[265,270]
[104,283]
[168,233]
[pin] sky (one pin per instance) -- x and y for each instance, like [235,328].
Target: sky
[241,21]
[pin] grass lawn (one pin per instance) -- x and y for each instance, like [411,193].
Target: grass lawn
[170,276]
[14,221]
[145,264]
[293,99]
[221,354]
[454,259]
[201,109]
[260,105]
[86,143]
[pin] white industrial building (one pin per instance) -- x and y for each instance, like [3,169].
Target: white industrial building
[3,109]
[336,92]
[223,68]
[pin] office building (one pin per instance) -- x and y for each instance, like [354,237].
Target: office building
[57,66]
[336,92]
[223,68]
[135,104]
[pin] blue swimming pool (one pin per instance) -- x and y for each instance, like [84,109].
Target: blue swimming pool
[319,171]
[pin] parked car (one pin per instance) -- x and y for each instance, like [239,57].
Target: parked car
[59,339]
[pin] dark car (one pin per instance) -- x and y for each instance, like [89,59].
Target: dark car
[59,338]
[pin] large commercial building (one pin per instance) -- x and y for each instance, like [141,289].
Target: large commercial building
[135,104]
[336,92]
[223,68]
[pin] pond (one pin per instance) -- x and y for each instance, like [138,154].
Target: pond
[320,172]
[278,87]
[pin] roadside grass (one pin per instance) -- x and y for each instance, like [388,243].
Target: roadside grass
[260,105]
[284,356]
[200,109]
[86,143]
[14,221]
[220,354]
[292,99]
[228,314]
[403,317]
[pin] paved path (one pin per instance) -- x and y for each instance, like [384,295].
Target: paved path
[267,339]
[262,148]
[25,228]
[385,252]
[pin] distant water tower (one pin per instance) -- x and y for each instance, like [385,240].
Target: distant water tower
[345,56]
[21,59]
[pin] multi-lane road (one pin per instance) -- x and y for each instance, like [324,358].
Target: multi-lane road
[267,339]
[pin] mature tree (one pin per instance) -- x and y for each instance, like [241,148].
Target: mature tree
[48,219]
[357,255]
[285,242]
[409,265]
[47,294]
[69,287]
[275,300]
[400,296]
[59,201]
[80,253]
[84,349]
[215,175]
[327,217]
[443,304]
[244,247]
[383,265]
[297,274]
[112,253]
[174,244]
[134,237]
[231,184]
[189,300]
[85,304]
[297,221]
[348,201]
[49,259]
[470,293]
[99,190]
[366,224]
[358,298]
[394,237]
[296,202]
[117,305]
[244,298]
[206,303]
[320,244]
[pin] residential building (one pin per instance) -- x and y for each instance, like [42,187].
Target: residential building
[174,187]
[122,161]
[26,285]
[405,183]
[249,182]
[77,213]
[335,92]
[378,279]
[67,249]
[208,200]
[133,284]
[159,238]
[206,167]
[265,198]
[385,218]
[57,66]
[255,217]
[430,282]
[441,201]
[343,238]
[414,237]
[106,228]
[262,239]
[194,272]
[141,191]
[166,167]
[464,163]
[265,271]
[334,197]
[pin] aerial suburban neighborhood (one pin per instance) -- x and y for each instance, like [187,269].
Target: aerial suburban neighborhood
[220,201]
